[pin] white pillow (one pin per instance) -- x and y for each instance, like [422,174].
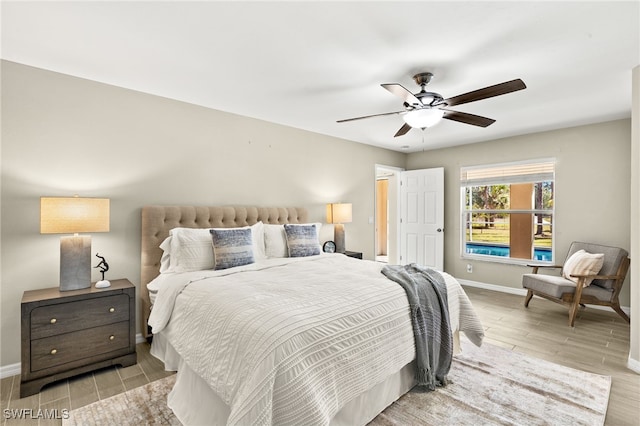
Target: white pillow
[275,239]
[257,233]
[165,260]
[191,249]
[582,263]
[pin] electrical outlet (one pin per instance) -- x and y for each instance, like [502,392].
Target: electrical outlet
[469,268]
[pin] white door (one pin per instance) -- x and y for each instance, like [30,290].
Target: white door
[422,217]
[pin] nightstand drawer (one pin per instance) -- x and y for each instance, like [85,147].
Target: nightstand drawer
[73,316]
[63,349]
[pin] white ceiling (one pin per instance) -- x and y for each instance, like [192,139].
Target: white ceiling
[307,64]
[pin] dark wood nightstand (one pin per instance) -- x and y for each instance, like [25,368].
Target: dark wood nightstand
[73,332]
[355,254]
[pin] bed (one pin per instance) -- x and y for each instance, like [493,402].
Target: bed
[312,339]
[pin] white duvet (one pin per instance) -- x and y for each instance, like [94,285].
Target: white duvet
[291,341]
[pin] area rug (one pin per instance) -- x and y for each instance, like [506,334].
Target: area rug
[488,386]
[495,386]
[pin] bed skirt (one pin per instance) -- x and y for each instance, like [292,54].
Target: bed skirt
[193,402]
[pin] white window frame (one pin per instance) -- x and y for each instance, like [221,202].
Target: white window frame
[506,173]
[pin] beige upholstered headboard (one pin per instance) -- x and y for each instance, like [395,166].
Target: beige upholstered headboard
[157,221]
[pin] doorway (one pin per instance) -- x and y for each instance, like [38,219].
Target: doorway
[387,214]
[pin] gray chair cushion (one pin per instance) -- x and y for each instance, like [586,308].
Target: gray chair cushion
[612,258]
[557,286]
[548,284]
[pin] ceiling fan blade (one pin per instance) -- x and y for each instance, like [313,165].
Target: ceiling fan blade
[369,116]
[487,92]
[465,117]
[403,130]
[402,93]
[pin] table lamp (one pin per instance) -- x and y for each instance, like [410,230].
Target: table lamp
[339,214]
[73,215]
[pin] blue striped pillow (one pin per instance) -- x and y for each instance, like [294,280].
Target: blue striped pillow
[232,247]
[302,240]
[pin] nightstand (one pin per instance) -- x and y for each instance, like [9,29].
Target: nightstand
[355,254]
[65,333]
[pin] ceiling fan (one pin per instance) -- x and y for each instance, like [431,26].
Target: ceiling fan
[425,109]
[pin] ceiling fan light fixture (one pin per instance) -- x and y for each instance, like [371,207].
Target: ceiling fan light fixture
[422,118]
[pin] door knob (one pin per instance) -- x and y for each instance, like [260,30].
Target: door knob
[439,229]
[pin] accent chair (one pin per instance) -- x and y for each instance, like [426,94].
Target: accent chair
[592,274]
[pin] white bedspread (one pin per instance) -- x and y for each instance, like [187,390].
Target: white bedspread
[291,341]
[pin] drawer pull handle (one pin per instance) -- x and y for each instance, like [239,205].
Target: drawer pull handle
[53,321]
[112,309]
[112,337]
[54,351]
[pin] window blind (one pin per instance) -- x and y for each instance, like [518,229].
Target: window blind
[542,170]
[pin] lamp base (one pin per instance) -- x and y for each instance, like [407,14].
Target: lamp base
[338,237]
[75,262]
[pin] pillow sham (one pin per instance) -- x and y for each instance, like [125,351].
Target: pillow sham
[190,249]
[165,260]
[302,240]
[257,235]
[582,263]
[232,247]
[275,241]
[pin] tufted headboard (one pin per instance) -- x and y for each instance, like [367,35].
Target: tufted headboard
[157,221]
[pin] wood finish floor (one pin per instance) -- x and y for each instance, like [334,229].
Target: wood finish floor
[80,390]
[598,344]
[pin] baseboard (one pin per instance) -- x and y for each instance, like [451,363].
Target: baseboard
[522,292]
[633,365]
[493,287]
[15,369]
[9,370]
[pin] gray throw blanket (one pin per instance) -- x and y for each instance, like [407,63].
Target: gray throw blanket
[427,294]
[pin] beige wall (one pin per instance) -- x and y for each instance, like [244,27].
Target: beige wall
[592,190]
[62,136]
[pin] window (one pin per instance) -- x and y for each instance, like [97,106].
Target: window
[507,211]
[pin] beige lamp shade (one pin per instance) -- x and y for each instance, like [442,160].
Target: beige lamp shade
[69,215]
[339,213]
